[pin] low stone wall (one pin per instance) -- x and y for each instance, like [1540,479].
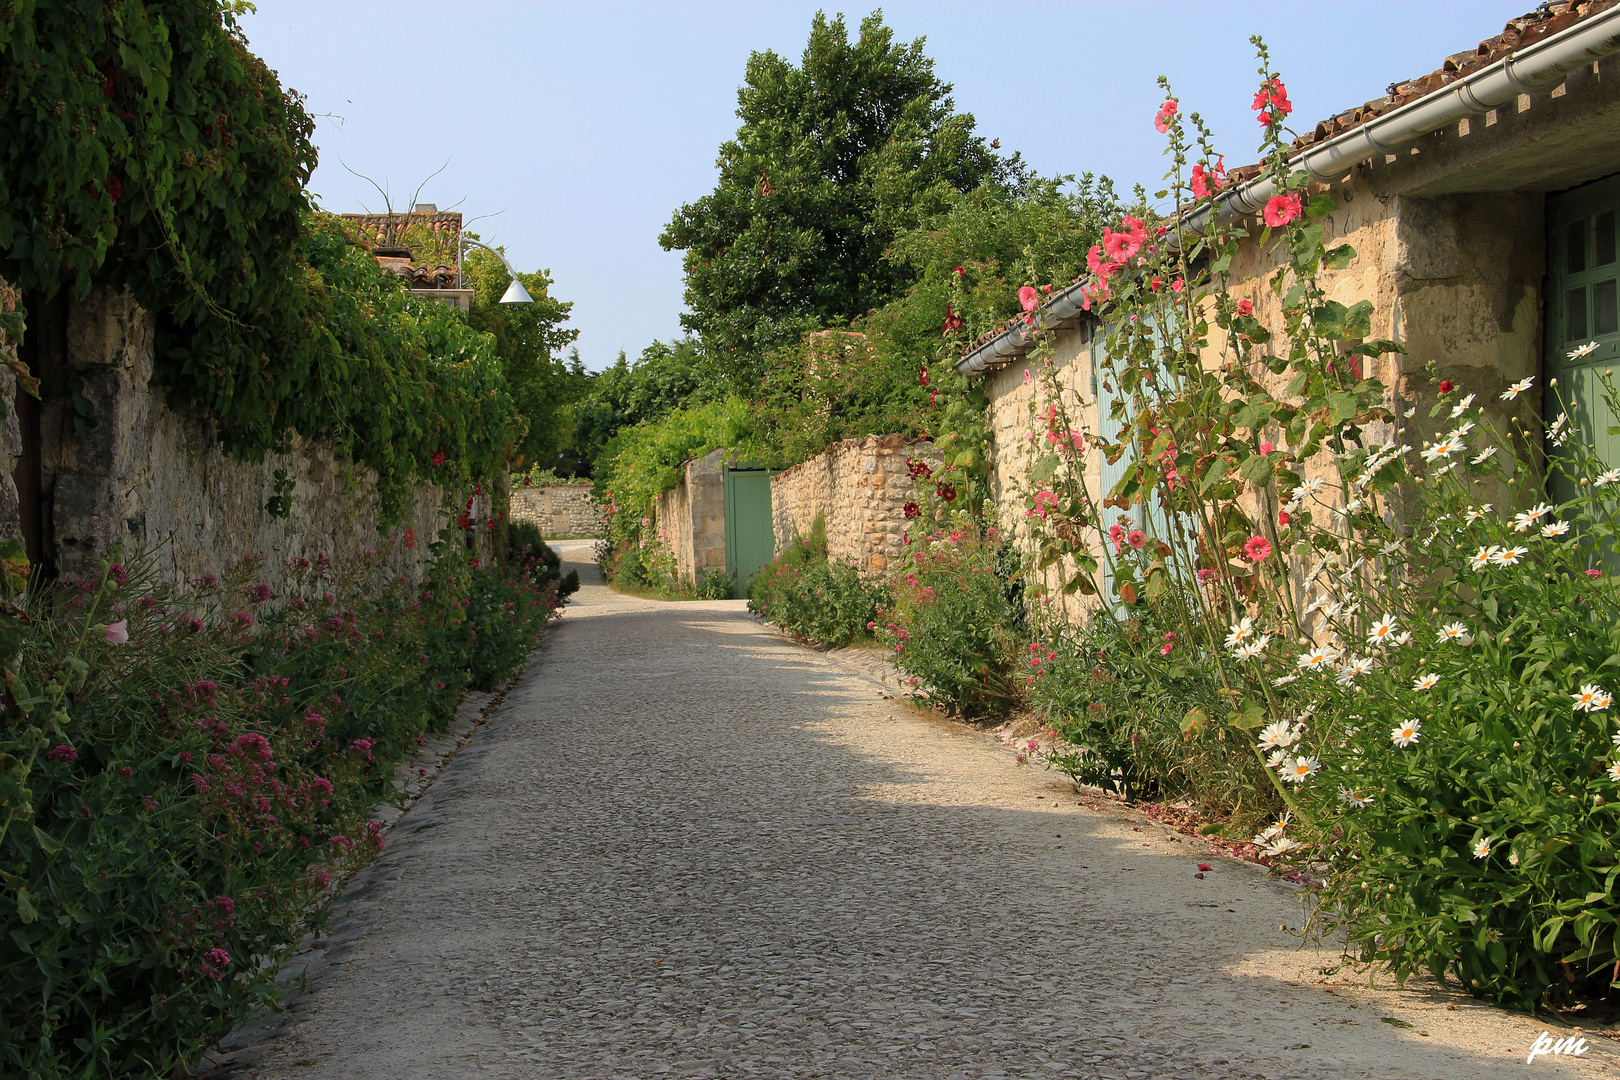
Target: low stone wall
[558,509]
[861,487]
[156,477]
[692,517]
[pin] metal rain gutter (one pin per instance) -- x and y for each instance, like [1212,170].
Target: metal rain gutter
[1528,70]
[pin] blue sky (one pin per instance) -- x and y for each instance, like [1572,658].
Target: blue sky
[589,124]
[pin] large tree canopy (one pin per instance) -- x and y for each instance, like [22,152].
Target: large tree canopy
[834,159]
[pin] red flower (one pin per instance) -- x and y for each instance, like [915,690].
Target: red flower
[410,539]
[1028,298]
[438,457]
[922,375]
[1245,307]
[912,510]
[1161,119]
[1272,101]
[1154,284]
[1205,183]
[959,272]
[1282,518]
[1205,867]
[1257,549]
[1177,285]
[1281,209]
[1267,447]
[1446,387]
[945,491]
[953,321]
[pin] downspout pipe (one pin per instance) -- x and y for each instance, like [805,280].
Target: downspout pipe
[1533,68]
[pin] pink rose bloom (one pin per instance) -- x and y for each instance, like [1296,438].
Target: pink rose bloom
[118,632]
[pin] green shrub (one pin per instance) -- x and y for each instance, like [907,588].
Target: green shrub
[813,597]
[188,771]
[951,625]
[716,584]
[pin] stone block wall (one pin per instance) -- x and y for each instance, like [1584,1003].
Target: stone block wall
[156,477]
[691,517]
[558,509]
[860,487]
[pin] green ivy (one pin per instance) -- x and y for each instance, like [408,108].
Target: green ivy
[143,145]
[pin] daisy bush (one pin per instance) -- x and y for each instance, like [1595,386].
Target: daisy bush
[1364,634]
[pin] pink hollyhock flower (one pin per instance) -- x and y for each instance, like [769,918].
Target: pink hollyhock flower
[1028,298]
[1245,307]
[1206,182]
[1177,285]
[1283,518]
[1154,284]
[1162,118]
[1044,501]
[1257,549]
[1117,535]
[1272,101]
[118,633]
[1136,539]
[1266,447]
[1281,209]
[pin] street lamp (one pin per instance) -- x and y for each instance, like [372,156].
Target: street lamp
[515,293]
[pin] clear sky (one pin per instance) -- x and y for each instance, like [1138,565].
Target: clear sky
[584,126]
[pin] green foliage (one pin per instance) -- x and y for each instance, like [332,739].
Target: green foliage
[141,144]
[528,341]
[834,159]
[952,625]
[664,378]
[528,550]
[178,807]
[644,461]
[813,597]
[715,584]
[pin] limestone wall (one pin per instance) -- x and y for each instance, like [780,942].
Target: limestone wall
[861,487]
[156,477]
[558,509]
[692,517]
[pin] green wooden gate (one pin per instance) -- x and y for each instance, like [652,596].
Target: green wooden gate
[1583,305]
[750,540]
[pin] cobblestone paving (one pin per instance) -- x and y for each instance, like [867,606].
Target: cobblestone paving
[685,847]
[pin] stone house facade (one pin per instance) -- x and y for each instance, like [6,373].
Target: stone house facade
[1481,201]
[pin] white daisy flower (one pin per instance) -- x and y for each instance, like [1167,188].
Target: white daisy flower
[1317,658]
[1517,388]
[1409,413]
[1382,630]
[1276,735]
[1484,455]
[1556,528]
[1253,650]
[1354,668]
[1591,699]
[1309,487]
[1442,449]
[1614,772]
[1560,431]
[1512,556]
[1482,848]
[1282,845]
[1462,406]
[1478,512]
[1402,638]
[1406,734]
[1425,682]
[1482,558]
[1332,609]
[1583,351]
[1354,797]
[1283,680]
[1455,633]
[1276,758]
[1392,547]
[1461,429]
[1605,479]
[1241,632]
[1300,769]
[1274,830]
[1604,700]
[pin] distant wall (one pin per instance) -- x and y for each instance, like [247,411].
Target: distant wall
[156,477]
[692,516]
[861,487]
[558,509]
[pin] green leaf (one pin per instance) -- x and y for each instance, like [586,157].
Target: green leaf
[1321,204]
[1194,720]
[25,906]
[1252,715]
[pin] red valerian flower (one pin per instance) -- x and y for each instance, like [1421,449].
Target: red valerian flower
[1446,386]
[1028,298]
[1281,209]
[63,752]
[1245,307]
[1161,119]
[1257,549]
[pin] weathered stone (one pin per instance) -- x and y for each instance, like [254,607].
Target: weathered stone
[860,488]
[558,509]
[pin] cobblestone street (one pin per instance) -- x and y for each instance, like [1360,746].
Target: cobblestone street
[684,846]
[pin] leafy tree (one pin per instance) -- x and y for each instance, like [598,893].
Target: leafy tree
[834,159]
[664,378]
[528,339]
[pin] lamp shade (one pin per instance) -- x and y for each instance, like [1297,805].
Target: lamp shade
[516,294]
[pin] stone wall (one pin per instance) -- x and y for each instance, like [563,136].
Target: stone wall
[558,509]
[692,517]
[156,477]
[861,487]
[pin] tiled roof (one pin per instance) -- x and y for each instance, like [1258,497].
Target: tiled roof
[419,277]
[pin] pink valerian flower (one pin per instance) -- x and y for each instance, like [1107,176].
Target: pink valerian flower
[117,633]
[1272,102]
[1028,298]
[1206,574]
[1257,549]
[1162,118]
[1281,209]
[241,620]
[62,752]
[117,572]
[1594,573]
[259,593]
[214,963]
[1137,539]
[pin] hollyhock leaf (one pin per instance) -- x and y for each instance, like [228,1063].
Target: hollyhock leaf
[1321,204]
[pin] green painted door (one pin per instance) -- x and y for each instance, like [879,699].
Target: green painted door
[750,542]
[1583,305]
